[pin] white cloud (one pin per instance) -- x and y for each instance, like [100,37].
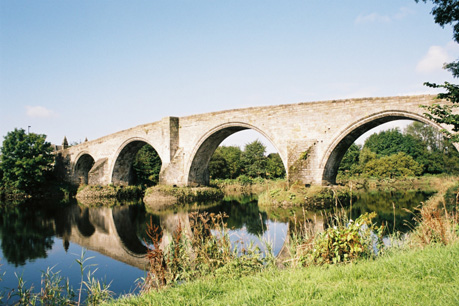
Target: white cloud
[378,18]
[436,57]
[39,112]
[402,13]
[373,17]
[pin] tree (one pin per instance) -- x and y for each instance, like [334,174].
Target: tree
[274,166]
[439,155]
[26,160]
[350,158]
[399,164]
[146,166]
[429,135]
[447,12]
[392,141]
[253,159]
[232,155]
[218,166]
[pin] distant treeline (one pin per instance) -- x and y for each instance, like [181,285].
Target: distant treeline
[420,149]
[231,162]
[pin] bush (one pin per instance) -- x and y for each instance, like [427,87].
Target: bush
[340,243]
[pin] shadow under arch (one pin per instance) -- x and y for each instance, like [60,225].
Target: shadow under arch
[198,173]
[335,152]
[122,173]
[82,167]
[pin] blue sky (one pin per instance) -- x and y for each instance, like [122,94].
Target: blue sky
[90,68]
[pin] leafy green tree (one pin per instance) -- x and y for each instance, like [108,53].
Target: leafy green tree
[399,164]
[231,162]
[274,166]
[26,160]
[218,166]
[446,12]
[393,141]
[232,155]
[350,159]
[439,154]
[424,143]
[430,136]
[146,166]
[253,159]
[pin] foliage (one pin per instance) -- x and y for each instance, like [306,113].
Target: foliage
[26,161]
[232,162]
[341,242]
[205,250]
[437,220]
[146,166]
[394,165]
[409,277]
[392,141]
[232,155]
[431,139]
[311,198]
[350,158]
[274,166]
[447,12]
[55,290]
[186,194]
[97,195]
[421,148]
[443,114]
[253,159]
[218,166]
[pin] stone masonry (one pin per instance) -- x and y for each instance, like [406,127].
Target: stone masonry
[311,139]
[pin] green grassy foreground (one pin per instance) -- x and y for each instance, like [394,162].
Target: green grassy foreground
[416,277]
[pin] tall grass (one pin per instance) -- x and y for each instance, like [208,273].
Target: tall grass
[438,218]
[202,249]
[55,290]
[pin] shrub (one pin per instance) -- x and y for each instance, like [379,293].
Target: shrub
[340,242]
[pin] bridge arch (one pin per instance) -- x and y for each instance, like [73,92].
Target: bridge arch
[83,165]
[197,166]
[336,150]
[121,173]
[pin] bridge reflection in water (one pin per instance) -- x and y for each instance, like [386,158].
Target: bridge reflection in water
[116,232]
[108,231]
[120,232]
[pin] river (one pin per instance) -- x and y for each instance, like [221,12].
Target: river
[38,235]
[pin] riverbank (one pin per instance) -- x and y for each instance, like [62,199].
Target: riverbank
[162,197]
[415,277]
[318,197]
[245,185]
[51,190]
[97,195]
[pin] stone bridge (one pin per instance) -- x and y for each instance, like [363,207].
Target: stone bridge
[311,139]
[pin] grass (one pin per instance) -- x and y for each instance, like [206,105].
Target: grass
[186,194]
[421,271]
[55,290]
[416,277]
[314,197]
[246,185]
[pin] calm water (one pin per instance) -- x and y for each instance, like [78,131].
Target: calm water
[35,236]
